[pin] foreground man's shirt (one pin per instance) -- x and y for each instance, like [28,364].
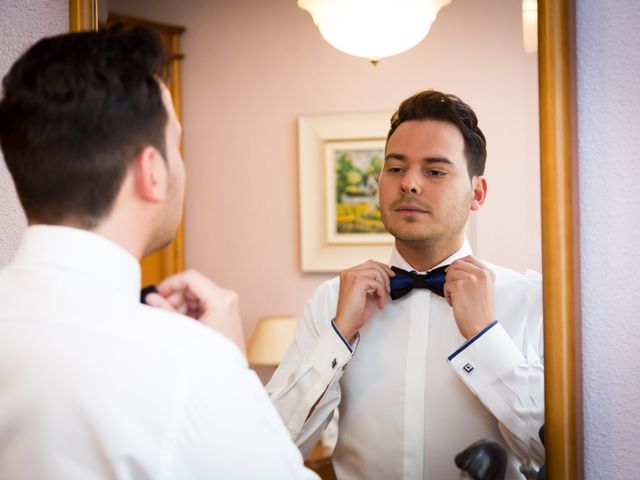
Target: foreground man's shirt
[410,398]
[94,385]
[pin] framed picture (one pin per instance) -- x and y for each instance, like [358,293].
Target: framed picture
[352,170]
[339,160]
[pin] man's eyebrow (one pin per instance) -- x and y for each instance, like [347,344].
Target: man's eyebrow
[437,160]
[429,160]
[395,156]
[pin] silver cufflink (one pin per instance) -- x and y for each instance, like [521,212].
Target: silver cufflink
[334,363]
[468,368]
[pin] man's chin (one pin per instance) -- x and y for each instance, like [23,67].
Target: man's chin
[158,245]
[411,236]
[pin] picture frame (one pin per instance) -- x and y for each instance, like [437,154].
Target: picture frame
[322,139]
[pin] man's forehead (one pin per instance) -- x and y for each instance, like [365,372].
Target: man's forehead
[426,134]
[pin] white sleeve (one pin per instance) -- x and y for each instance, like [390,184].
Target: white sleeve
[507,375]
[309,374]
[226,427]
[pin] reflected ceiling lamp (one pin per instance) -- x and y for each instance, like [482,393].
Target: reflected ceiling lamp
[373,29]
[530,25]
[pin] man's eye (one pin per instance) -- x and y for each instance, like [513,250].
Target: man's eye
[435,173]
[394,170]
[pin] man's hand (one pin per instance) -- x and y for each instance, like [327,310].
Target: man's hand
[469,289]
[191,293]
[362,288]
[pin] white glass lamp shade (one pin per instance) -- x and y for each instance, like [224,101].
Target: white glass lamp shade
[373,29]
[271,340]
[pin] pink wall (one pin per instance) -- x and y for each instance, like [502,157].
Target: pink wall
[22,22]
[252,67]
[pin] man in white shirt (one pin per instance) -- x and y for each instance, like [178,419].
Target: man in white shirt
[419,378]
[93,384]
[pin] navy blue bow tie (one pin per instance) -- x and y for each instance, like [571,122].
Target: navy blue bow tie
[405,281]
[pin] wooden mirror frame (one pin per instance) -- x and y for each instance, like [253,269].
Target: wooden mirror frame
[560,235]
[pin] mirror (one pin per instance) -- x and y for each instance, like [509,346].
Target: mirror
[558,197]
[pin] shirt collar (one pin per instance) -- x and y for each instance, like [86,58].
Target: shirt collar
[398,261]
[74,249]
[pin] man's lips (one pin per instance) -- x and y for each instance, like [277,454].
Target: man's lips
[409,209]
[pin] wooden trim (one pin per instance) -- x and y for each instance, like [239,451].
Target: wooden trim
[176,86]
[560,254]
[165,27]
[83,15]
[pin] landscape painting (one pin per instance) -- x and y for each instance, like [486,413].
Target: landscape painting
[352,173]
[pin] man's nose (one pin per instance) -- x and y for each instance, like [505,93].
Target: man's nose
[410,184]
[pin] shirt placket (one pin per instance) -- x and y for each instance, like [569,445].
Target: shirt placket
[415,384]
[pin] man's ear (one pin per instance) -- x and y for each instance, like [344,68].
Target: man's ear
[150,175]
[479,192]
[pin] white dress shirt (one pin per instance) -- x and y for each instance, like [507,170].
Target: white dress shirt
[410,398]
[95,385]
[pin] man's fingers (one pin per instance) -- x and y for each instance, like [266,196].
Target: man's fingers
[458,274]
[158,301]
[175,298]
[447,296]
[173,283]
[379,276]
[190,281]
[469,264]
[474,261]
[462,266]
[466,267]
[382,296]
[384,269]
[371,285]
[370,269]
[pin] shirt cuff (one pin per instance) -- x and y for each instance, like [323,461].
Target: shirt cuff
[472,339]
[330,354]
[344,340]
[485,357]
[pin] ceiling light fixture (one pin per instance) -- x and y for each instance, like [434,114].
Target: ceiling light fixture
[373,29]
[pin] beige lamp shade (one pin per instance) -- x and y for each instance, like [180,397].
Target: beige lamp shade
[271,340]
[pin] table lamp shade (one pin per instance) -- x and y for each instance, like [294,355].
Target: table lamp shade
[271,340]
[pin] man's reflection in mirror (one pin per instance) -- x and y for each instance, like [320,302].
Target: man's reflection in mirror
[436,349]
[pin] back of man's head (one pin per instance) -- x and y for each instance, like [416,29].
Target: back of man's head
[76,109]
[434,105]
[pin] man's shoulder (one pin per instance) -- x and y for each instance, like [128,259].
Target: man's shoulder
[183,335]
[518,290]
[507,275]
[327,291]
[329,286]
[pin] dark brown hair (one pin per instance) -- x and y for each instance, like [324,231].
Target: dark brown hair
[76,109]
[433,105]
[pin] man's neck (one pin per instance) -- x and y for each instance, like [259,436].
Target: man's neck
[423,257]
[123,233]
